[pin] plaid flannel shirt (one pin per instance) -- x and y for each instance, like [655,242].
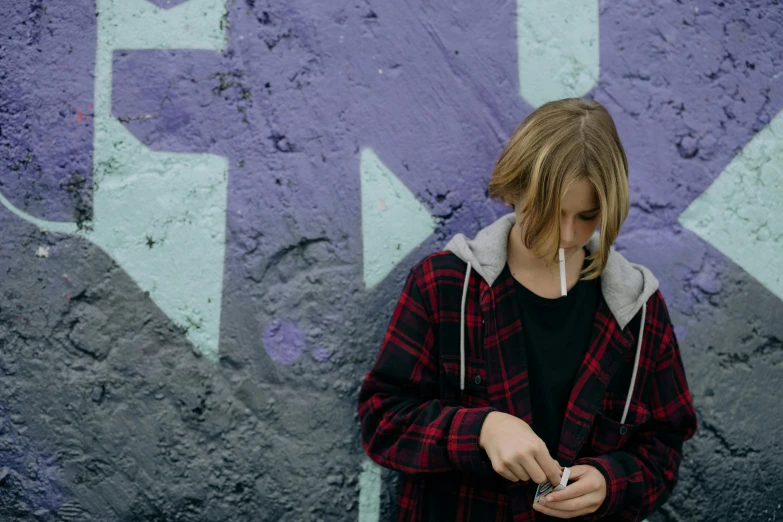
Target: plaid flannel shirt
[415,420]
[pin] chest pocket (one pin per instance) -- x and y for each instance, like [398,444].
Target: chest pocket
[475,394]
[608,433]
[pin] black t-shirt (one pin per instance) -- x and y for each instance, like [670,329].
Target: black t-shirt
[556,333]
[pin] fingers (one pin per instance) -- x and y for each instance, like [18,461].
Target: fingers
[513,472]
[533,469]
[578,470]
[573,504]
[572,490]
[582,496]
[506,473]
[559,513]
[519,472]
[550,467]
[541,466]
[529,460]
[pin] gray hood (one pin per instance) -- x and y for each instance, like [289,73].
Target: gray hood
[625,286]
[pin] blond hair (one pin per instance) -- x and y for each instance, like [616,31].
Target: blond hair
[557,145]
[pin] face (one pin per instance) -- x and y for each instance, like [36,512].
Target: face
[579,216]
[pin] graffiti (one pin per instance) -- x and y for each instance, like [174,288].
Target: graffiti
[739,212]
[151,208]
[557,49]
[369,492]
[264,174]
[393,220]
[283,341]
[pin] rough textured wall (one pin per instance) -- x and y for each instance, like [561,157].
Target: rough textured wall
[209,207]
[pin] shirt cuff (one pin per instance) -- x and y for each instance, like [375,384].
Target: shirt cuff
[616,484]
[463,441]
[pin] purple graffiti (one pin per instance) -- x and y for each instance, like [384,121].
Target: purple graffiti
[283,341]
[47,103]
[290,105]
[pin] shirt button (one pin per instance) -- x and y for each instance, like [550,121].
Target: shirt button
[623,430]
[477,380]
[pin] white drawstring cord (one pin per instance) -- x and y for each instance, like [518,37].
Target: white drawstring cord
[635,364]
[462,346]
[462,331]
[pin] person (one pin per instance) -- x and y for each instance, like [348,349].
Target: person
[489,381]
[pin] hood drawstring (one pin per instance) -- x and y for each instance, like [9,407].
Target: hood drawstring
[462,345]
[635,363]
[462,330]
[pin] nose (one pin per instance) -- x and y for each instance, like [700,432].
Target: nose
[566,232]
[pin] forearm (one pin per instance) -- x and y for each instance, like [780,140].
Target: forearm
[640,478]
[414,436]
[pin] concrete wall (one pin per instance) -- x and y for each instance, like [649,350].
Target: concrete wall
[209,207]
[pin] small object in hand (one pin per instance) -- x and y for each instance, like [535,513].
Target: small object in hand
[546,488]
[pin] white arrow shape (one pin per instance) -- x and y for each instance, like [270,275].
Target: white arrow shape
[740,214]
[557,44]
[394,222]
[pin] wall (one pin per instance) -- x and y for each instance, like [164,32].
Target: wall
[209,208]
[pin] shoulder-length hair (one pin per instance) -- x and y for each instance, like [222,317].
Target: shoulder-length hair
[559,143]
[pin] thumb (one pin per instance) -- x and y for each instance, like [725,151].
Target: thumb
[578,471]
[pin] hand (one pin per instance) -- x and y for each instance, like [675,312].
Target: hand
[516,452]
[582,496]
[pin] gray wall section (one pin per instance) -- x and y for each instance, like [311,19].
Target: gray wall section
[733,467]
[131,423]
[734,361]
[137,425]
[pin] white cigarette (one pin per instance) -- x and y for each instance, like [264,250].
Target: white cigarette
[562,273]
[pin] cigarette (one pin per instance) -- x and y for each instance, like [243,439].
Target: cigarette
[562,273]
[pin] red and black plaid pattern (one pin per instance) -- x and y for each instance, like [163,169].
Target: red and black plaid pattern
[415,419]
